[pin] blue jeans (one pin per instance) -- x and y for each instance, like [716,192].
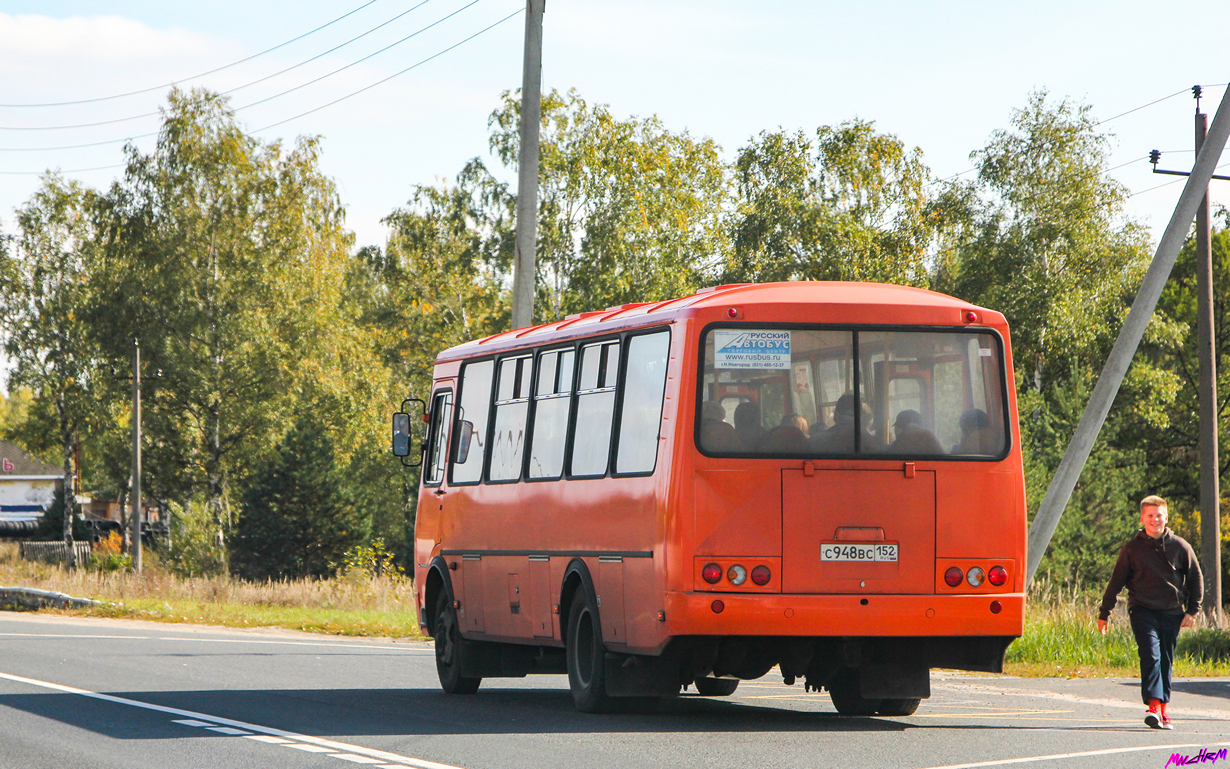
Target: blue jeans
[1156,635]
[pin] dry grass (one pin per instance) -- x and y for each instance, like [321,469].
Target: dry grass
[354,604]
[1061,639]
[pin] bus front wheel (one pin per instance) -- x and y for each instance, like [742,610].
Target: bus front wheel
[587,657]
[845,691]
[449,648]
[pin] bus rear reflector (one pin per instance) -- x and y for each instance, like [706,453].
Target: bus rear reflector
[996,607]
[997,576]
[761,575]
[953,576]
[717,607]
[712,573]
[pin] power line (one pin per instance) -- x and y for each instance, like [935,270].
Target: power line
[382,50]
[1137,109]
[390,77]
[1100,122]
[232,90]
[193,77]
[276,95]
[69,171]
[308,112]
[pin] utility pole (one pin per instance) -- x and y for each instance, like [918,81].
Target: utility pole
[527,166]
[135,518]
[1210,492]
[1210,471]
[1069,470]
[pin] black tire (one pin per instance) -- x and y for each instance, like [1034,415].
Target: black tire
[898,707]
[716,687]
[449,648]
[847,698]
[587,657]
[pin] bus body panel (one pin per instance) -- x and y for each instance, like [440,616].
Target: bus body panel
[644,539]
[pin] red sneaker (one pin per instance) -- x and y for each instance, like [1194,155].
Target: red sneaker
[1166,722]
[1153,716]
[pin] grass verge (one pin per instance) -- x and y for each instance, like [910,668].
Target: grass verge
[352,604]
[1061,639]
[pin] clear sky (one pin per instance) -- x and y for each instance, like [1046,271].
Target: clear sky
[940,75]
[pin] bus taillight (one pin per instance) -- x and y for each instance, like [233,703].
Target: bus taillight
[953,576]
[997,576]
[737,575]
[761,575]
[712,573]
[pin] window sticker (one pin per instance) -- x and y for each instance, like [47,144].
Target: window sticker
[751,349]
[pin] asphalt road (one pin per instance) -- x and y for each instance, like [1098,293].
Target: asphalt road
[112,693]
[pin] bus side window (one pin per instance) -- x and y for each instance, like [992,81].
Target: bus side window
[551,402]
[512,402]
[437,443]
[473,407]
[591,438]
[641,417]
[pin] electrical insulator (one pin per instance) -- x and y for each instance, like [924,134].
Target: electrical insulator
[1196,92]
[1155,156]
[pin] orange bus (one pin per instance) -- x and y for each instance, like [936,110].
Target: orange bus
[818,477]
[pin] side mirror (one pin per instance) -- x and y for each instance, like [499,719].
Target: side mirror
[403,434]
[465,434]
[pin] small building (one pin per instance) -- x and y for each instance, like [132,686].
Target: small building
[27,486]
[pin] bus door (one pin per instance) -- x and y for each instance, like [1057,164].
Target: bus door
[450,431]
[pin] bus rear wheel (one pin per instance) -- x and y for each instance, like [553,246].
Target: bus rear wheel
[898,707]
[716,687]
[845,691]
[587,657]
[449,648]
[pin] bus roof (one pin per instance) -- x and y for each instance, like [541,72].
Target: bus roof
[747,295]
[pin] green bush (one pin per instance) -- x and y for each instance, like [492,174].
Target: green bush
[196,543]
[1205,645]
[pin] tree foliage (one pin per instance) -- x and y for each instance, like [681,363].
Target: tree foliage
[296,520]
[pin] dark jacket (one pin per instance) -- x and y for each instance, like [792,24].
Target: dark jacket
[1161,574]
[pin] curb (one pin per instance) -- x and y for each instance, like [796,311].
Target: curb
[19,598]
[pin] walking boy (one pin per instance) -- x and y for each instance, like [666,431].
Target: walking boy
[1164,589]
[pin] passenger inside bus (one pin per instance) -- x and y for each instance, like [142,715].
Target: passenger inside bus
[839,439]
[977,437]
[789,437]
[747,425]
[912,437]
[716,434]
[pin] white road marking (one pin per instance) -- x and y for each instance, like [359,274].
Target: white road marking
[423,649]
[192,722]
[63,635]
[410,649]
[1104,702]
[329,746]
[308,748]
[354,759]
[268,739]
[228,730]
[1082,754]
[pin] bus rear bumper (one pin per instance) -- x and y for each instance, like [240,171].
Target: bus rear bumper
[689,613]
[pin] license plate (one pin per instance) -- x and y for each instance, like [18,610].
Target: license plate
[842,551]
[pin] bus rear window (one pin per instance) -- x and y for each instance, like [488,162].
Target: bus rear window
[801,392]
